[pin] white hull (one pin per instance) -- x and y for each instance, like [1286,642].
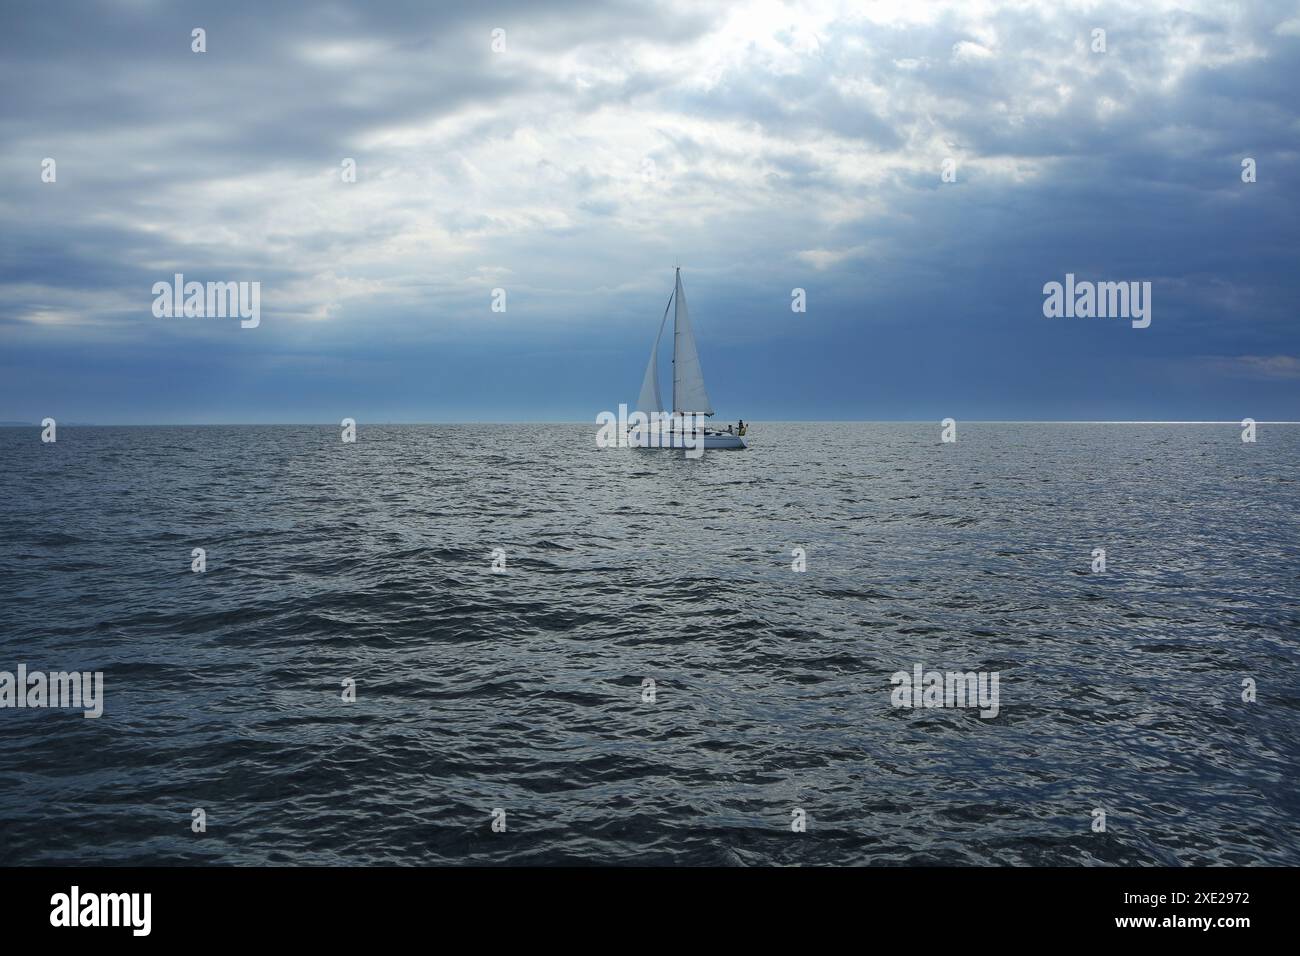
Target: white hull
[686,441]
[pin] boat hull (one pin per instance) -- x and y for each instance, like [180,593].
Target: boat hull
[712,442]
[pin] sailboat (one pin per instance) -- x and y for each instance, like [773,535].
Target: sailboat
[689,396]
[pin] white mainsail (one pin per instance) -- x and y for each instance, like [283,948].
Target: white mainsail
[689,395]
[650,400]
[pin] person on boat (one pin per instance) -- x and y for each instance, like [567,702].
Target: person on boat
[740,429]
[728,429]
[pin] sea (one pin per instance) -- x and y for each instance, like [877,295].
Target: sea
[503,645]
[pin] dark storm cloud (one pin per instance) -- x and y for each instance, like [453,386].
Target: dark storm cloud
[769,146]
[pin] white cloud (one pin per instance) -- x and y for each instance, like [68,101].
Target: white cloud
[767,132]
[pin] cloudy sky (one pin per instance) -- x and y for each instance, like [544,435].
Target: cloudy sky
[765,146]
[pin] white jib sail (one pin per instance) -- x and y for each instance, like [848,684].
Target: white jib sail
[650,401]
[688,378]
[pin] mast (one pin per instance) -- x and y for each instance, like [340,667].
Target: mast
[674,298]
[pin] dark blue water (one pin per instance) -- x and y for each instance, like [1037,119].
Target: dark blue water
[523,690]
